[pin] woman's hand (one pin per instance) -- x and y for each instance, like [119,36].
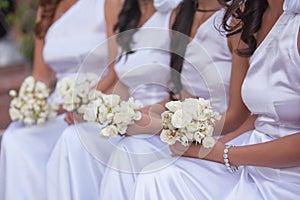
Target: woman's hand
[72,117]
[150,122]
[196,151]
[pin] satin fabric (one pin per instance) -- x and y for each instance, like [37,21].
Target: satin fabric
[291,6]
[206,73]
[178,178]
[166,5]
[24,153]
[73,172]
[81,155]
[26,150]
[275,67]
[146,73]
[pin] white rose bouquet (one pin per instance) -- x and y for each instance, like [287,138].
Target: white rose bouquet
[30,105]
[114,113]
[189,121]
[76,94]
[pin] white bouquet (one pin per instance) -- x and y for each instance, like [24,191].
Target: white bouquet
[30,105]
[114,113]
[76,94]
[189,121]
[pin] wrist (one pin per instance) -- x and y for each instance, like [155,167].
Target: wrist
[215,154]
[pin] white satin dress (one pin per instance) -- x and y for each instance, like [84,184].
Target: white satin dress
[76,166]
[206,73]
[26,150]
[272,91]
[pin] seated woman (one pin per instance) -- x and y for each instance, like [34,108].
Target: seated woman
[204,72]
[60,49]
[271,155]
[76,166]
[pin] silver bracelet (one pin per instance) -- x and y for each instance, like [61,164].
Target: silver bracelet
[229,167]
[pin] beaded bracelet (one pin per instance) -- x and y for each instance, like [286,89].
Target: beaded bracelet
[230,168]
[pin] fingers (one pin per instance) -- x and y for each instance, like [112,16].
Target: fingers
[69,119]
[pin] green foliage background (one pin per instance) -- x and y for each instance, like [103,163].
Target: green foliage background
[23,21]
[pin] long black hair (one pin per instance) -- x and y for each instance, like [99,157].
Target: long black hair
[128,19]
[249,13]
[182,25]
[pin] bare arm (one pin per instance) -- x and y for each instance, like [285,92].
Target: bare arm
[236,112]
[111,19]
[279,153]
[41,71]
[246,126]
[151,120]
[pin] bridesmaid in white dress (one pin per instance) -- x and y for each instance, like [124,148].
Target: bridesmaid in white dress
[205,72]
[78,161]
[271,90]
[60,49]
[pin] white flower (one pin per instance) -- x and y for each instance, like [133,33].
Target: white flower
[13,93]
[36,108]
[111,100]
[180,119]
[122,128]
[82,90]
[31,104]
[134,104]
[68,98]
[64,86]
[198,136]
[184,140]
[29,84]
[90,111]
[54,105]
[209,130]
[137,115]
[95,94]
[43,115]
[109,130]
[69,107]
[191,106]
[41,90]
[192,127]
[16,102]
[208,142]
[168,136]
[28,121]
[102,113]
[173,106]
[81,109]
[52,114]
[109,118]
[14,114]
[41,121]
[204,103]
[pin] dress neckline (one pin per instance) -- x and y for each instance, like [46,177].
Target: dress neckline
[268,37]
[148,21]
[205,23]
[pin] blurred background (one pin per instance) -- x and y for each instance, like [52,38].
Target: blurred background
[17,20]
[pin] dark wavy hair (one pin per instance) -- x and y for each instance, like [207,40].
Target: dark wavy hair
[182,25]
[48,8]
[128,19]
[249,15]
